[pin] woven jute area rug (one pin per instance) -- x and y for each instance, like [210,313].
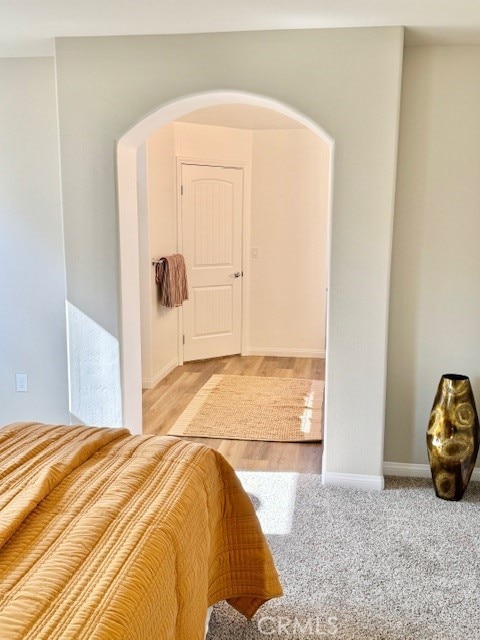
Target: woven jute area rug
[254,408]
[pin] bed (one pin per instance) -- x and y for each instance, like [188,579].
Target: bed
[108,535]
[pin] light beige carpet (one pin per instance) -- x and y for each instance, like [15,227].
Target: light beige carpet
[254,408]
[398,564]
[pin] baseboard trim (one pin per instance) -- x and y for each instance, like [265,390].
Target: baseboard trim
[284,352]
[410,470]
[149,383]
[353,481]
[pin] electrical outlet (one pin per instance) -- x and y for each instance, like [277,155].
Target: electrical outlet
[255,253]
[21,382]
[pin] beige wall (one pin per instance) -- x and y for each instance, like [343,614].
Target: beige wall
[434,309]
[161,352]
[213,143]
[32,269]
[347,81]
[290,173]
[145,268]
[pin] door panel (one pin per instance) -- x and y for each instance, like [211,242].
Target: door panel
[211,218]
[212,311]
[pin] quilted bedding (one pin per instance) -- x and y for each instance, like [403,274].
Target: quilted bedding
[108,535]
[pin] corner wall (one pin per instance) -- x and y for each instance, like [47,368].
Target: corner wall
[160,347]
[435,291]
[290,191]
[32,270]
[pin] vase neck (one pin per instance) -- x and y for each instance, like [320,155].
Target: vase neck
[455,383]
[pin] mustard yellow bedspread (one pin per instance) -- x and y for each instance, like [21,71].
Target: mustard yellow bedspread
[105,535]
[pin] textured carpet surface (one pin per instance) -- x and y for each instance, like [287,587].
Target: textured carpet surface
[393,565]
[254,408]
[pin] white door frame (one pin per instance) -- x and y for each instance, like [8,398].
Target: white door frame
[129,312]
[246,222]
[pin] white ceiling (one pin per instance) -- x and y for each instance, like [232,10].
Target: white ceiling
[241,116]
[27,27]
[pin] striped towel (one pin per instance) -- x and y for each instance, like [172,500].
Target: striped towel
[171,278]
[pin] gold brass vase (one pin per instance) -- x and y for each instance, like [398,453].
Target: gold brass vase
[452,436]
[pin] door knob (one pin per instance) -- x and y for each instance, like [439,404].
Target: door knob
[238,274]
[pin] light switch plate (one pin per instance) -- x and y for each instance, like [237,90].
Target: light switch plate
[21,382]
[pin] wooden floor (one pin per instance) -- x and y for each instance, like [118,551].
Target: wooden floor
[164,403]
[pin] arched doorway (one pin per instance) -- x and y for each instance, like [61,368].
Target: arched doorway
[127,168]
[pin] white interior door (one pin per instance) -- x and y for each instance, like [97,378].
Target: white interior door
[211,228]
